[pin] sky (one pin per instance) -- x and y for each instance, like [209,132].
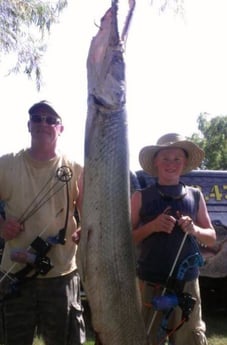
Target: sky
[176,68]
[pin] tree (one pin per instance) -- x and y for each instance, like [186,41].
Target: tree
[213,141]
[23,29]
[25,23]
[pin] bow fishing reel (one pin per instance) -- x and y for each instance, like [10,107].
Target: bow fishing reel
[184,300]
[36,258]
[64,174]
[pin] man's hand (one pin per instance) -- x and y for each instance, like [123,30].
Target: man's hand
[10,228]
[76,236]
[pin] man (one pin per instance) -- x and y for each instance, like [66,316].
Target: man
[40,286]
[168,220]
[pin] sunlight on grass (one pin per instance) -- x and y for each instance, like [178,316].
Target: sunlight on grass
[216,330]
[217,340]
[38,341]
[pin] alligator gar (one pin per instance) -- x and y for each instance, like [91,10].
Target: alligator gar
[106,259]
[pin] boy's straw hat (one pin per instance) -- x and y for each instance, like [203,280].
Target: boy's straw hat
[194,154]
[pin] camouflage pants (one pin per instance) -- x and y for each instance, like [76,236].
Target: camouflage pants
[49,307]
[192,332]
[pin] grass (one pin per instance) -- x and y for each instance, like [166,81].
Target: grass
[216,321]
[214,305]
[215,318]
[216,330]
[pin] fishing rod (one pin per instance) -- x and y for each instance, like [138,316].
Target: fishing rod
[38,260]
[169,276]
[182,299]
[7,273]
[63,174]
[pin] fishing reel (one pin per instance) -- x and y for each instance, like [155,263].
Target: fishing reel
[184,300]
[37,258]
[64,174]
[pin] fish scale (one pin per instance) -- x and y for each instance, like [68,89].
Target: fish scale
[106,258]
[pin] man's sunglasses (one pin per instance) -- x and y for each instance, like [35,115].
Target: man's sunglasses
[50,120]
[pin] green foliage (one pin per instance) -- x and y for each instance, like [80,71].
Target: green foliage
[23,28]
[213,141]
